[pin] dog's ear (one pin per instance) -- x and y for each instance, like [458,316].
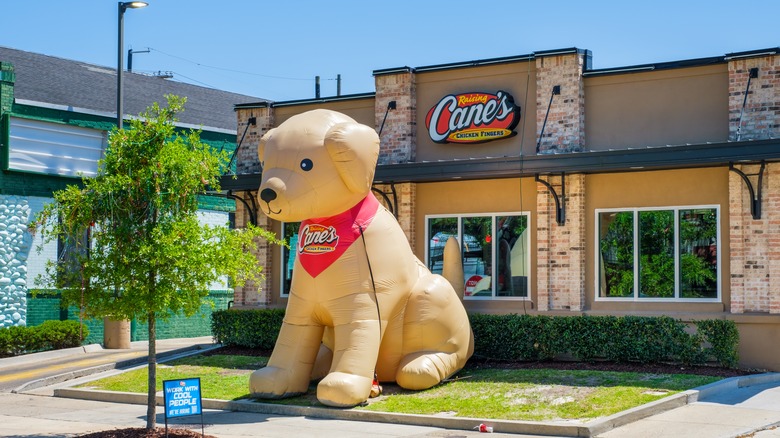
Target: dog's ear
[354,149]
[261,145]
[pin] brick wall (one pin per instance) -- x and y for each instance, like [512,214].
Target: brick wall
[561,249]
[247,161]
[7,78]
[761,117]
[252,294]
[398,137]
[755,243]
[565,128]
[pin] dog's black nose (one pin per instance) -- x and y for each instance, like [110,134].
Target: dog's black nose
[268,195]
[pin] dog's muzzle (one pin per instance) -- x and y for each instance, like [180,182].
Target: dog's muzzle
[268,195]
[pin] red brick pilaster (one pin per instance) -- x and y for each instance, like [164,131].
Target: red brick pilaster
[761,116]
[755,243]
[247,161]
[398,137]
[565,127]
[561,248]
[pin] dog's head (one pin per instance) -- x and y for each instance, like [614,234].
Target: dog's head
[316,164]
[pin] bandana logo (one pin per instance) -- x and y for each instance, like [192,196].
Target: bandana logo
[317,239]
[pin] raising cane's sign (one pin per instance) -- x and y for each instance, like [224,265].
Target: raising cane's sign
[473,118]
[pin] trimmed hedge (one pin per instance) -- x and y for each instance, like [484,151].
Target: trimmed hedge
[256,328]
[515,337]
[50,335]
[613,338]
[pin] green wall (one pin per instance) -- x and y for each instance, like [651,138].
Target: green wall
[46,306]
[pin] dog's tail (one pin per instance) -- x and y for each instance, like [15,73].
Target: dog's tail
[453,266]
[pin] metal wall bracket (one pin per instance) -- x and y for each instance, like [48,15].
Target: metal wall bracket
[391,203]
[250,209]
[755,194]
[560,202]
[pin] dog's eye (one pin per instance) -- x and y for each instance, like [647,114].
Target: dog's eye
[306,164]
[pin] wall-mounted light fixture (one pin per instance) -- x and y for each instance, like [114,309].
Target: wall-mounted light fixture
[390,106]
[556,90]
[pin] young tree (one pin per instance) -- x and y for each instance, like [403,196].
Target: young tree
[149,257]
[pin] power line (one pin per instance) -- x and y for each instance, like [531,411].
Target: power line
[228,69]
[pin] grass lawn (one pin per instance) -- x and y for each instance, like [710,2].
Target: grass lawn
[510,394]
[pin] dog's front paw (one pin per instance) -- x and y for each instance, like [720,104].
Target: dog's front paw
[273,382]
[343,390]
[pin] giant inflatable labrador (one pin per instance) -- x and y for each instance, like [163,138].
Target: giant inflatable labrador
[361,304]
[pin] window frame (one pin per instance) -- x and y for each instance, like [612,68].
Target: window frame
[78,147]
[636,255]
[282,262]
[493,248]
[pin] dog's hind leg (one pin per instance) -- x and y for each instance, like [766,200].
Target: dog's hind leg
[437,335]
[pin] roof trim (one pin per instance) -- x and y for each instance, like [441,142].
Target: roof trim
[393,71]
[640,68]
[482,62]
[343,98]
[112,115]
[474,63]
[752,53]
[627,160]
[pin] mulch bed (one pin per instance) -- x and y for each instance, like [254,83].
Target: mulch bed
[140,432]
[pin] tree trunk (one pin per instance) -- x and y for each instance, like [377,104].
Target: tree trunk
[151,402]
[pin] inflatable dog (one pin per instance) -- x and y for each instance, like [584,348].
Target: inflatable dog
[361,304]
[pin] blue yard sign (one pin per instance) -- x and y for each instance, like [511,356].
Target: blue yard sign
[182,397]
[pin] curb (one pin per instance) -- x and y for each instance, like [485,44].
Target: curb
[569,429]
[9,362]
[64,377]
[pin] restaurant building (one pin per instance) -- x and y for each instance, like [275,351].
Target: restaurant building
[647,190]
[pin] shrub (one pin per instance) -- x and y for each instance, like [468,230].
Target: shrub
[51,335]
[256,328]
[613,338]
[723,337]
[513,337]
[56,335]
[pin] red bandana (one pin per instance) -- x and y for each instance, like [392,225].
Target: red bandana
[321,241]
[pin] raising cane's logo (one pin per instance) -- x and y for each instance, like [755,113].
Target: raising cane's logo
[317,239]
[473,118]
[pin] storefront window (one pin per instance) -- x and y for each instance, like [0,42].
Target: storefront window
[494,250]
[676,250]
[699,253]
[656,254]
[290,235]
[616,243]
[440,229]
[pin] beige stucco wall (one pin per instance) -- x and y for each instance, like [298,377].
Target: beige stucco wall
[362,110]
[517,78]
[671,188]
[486,196]
[658,108]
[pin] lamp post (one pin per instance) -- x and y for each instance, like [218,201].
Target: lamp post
[123,6]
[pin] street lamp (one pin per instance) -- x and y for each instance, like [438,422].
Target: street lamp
[123,6]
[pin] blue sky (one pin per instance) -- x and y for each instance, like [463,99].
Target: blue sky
[274,49]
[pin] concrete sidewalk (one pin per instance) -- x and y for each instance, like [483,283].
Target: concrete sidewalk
[729,408]
[27,372]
